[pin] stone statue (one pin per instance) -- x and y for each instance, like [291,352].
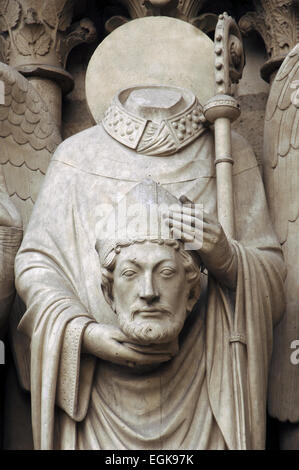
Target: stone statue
[29,136]
[97,382]
[281,142]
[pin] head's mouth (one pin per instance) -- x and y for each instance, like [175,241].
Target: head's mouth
[148,313]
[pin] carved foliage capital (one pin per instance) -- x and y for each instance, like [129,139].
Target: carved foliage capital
[183,9]
[277,21]
[186,10]
[39,32]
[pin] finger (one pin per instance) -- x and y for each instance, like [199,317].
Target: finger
[195,211]
[208,225]
[162,349]
[188,216]
[178,224]
[186,219]
[207,236]
[210,218]
[184,199]
[184,231]
[153,359]
[213,231]
[130,354]
[178,235]
[180,208]
[119,336]
[146,359]
[142,349]
[188,210]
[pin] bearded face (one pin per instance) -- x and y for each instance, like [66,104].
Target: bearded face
[151,293]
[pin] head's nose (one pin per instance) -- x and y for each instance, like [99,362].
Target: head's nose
[148,291]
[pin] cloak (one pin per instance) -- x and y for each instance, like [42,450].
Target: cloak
[58,277]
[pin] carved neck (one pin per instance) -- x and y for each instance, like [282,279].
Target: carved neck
[154,120]
[155,104]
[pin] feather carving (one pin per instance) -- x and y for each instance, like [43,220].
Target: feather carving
[281,169]
[29,138]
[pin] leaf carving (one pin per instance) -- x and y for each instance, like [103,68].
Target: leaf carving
[58,14]
[22,44]
[284,31]
[3,8]
[42,45]
[33,40]
[12,13]
[49,13]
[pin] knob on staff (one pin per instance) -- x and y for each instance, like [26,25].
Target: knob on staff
[222,110]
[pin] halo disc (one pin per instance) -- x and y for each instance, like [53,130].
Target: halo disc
[150,51]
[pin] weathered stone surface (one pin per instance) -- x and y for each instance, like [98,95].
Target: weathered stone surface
[277,23]
[92,332]
[26,161]
[119,64]
[281,148]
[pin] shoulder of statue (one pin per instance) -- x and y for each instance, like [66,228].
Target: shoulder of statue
[81,149]
[77,145]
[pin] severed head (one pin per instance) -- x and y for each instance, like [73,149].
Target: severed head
[152,284]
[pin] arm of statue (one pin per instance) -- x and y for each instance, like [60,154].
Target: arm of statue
[193,225]
[109,343]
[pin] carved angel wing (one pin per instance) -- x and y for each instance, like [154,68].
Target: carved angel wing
[29,137]
[281,155]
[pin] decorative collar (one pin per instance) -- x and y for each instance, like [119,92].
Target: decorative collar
[149,138]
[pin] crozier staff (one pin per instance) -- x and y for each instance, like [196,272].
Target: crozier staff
[221,110]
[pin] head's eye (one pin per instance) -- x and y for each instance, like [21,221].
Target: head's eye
[167,272]
[128,273]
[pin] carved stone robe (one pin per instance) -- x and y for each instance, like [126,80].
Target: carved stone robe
[79,401]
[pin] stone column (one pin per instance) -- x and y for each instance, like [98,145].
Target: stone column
[277,22]
[36,38]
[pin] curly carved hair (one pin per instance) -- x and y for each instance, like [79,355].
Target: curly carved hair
[190,263]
